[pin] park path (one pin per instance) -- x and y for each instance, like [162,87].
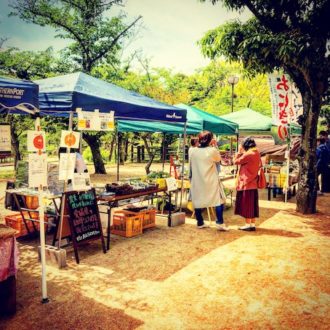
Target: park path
[184,278]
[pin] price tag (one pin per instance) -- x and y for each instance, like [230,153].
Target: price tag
[172,184]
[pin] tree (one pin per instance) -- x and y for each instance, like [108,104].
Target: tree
[30,65]
[96,38]
[292,35]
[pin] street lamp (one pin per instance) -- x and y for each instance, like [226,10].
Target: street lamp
[232,80]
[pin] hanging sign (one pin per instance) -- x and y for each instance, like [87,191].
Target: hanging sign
[70,139]
[66,166]
[286,103]
[95,121]
[36,141]
[5,138]
[107,121]
[37,170]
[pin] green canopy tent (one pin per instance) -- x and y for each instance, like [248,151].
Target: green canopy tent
[197,121]
[251,122]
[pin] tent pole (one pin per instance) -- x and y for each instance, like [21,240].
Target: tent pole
[42,233]
[118,155]
[183,161]
[163,152]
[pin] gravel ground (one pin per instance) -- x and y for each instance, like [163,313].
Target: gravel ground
[185,278]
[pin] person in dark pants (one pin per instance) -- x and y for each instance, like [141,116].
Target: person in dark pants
[205,188]
[322,163]
[247,205]
[325,176]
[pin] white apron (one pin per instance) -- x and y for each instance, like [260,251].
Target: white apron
[205,191]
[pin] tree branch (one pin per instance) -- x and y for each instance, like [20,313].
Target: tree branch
[114,41]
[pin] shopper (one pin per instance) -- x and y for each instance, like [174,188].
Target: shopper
[322,163]
[247,205]
[205,189]
[325,176]
[193,145]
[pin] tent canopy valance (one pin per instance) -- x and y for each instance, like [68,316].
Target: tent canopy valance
[18,96]
[197,121]
[58,96]
[253,122]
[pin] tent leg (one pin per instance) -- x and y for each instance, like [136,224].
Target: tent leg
[163,152]
[183,161]
[118,155]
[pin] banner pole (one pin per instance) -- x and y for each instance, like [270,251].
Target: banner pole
[183,161]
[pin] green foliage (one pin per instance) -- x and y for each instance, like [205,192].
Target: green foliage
[96,37]
[87,154]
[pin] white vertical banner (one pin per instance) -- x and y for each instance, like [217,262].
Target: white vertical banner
[286,103]
[37,170]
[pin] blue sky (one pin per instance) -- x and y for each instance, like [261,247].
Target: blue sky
[171,29]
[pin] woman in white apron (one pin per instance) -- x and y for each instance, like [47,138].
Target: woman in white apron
[205,188]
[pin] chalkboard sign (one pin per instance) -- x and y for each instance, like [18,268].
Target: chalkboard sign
[84,218]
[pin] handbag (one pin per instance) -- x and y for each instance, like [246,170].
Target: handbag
[261,180]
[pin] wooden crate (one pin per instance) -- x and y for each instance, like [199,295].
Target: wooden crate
[127,224]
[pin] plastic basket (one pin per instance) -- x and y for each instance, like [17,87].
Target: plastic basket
[16,222]
[149,218]
[127,224]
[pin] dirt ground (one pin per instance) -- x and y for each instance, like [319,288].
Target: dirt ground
[186,278]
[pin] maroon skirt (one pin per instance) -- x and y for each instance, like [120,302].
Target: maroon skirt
[247,204]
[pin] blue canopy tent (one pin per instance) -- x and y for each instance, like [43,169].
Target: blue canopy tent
[18,96]
[61,95]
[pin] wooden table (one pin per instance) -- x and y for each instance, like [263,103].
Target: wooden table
[112,201]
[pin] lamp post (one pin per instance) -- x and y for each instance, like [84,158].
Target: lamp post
[232,80]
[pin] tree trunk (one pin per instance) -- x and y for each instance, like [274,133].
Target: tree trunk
[307,191]
[150,154]
[15,144]
[94,143]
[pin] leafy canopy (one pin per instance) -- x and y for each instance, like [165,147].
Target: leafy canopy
[96,37]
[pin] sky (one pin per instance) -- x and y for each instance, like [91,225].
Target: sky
[171,29]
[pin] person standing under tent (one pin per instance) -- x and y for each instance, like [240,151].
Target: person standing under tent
[325,176]
[247,204]
[205,188]
[322,162]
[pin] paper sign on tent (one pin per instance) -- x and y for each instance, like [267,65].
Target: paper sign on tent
[66,166]
[37,170]
[36,141]
[5,138]
[95,121]
[70,139]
